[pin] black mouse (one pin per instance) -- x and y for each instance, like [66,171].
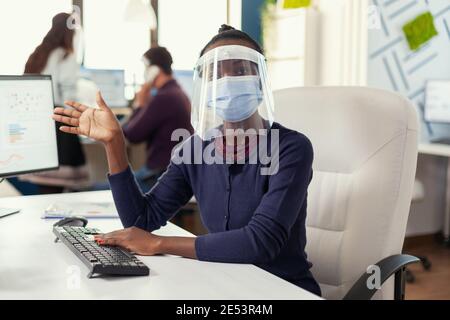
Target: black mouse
[75,221]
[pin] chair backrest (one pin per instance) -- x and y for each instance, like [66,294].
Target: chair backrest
[365,153]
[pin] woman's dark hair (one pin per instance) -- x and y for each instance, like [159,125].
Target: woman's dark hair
[160,56]
[227,32]
[59,36]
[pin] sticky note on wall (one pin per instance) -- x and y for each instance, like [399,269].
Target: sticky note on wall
[420,30]
[294,4]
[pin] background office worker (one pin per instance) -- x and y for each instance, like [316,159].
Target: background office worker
[251,217]
[56,56]
[161,106]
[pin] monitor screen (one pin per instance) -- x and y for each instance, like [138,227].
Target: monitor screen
[437,101]
[27,131]
[111,83]
[186,80]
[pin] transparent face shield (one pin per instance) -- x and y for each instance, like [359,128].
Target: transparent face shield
[231,92]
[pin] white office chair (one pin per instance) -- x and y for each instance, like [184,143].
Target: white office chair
[365,152]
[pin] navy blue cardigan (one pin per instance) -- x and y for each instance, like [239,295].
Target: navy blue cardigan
[251,218]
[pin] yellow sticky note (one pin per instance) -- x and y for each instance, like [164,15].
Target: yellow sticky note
[294,4]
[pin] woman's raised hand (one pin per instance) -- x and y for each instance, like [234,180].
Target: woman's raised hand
[99,124]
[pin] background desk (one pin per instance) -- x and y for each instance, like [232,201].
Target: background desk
[32,266]
[441,150]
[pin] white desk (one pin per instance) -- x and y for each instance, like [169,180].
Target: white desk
[435,149]
[441,150]
[32,266]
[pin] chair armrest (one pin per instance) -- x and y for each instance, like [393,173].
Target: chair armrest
[388,266]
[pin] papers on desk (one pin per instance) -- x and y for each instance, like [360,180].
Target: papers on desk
[85,209]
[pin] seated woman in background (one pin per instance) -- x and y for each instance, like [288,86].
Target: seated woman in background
[55,56]
[253,206]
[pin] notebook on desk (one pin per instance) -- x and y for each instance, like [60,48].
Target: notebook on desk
[85,209]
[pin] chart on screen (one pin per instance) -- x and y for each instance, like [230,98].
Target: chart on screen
[27,132]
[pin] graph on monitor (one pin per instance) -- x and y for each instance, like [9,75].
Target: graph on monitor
[27,132]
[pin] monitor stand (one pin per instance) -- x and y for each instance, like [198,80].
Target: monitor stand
[7,212]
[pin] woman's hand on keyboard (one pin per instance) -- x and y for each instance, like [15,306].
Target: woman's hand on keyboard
[133,239]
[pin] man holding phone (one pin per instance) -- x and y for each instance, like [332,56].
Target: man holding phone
[160,107]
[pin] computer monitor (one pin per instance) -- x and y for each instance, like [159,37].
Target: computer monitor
[186,80]
[111,83]
[27,131]
[437,101]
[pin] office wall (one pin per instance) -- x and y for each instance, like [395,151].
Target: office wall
[393,66]
[251,18]
[342,42]
[333,38]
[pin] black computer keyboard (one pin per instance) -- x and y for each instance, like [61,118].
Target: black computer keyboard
[101,260]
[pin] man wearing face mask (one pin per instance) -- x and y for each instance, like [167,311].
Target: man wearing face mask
[161,106]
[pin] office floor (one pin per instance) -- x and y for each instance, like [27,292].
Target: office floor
[433,284]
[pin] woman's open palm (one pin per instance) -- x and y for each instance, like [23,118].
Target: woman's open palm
[99,124]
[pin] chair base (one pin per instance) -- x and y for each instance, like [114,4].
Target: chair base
[445,241]
[426,264]
[442,239]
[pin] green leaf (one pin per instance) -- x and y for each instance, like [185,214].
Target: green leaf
[420,30]
[294,4]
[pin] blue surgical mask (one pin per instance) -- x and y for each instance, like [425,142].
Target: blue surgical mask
[237,98]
